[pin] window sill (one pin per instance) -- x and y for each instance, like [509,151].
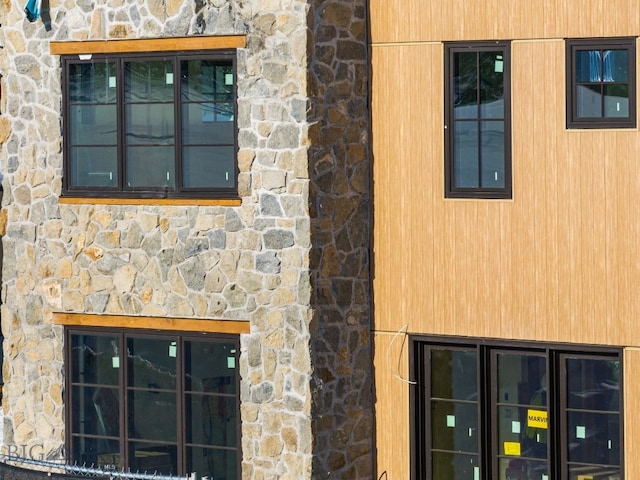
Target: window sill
[602,129]
[195,202]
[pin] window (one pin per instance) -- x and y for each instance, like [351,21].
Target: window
[477,121]
[152,125]
[155,403]
[601,83]
[516,413]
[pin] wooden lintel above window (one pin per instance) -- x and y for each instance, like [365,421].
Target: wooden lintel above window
[152,323]
[175,202]
[148,45]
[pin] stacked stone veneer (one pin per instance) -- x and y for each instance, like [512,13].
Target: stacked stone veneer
[292,259]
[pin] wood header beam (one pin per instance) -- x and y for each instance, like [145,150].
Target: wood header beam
[176,202]
[151,323]
[148,45]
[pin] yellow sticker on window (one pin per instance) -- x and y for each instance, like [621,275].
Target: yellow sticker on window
[537,419]
[512,448]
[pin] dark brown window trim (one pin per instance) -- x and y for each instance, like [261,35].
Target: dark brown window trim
[150,195]
[557,405]
[450,190]
[573,121]
[123,385]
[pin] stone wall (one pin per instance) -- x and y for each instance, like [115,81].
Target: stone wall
[292,259]
[340,222]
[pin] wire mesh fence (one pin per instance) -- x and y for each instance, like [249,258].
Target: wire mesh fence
[13,467]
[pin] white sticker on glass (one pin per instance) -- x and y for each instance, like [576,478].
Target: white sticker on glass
[515,427]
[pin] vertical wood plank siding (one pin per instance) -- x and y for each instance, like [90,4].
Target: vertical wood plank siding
[560,262]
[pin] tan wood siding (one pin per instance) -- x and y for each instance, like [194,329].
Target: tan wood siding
[418,21]
[392,406]
[556,263]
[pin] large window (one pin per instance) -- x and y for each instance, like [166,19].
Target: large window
[516,413]
[153,125]
[601,83]
[155,403]
[477,121]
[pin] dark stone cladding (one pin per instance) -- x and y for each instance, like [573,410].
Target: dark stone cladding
[340,203]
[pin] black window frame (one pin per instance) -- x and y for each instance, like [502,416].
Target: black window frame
[122,191]
[488,445]
[572,46]
[450,189]
[121,461]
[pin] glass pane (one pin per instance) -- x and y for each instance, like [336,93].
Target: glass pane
[582,472]
[593,384]
[491,84]
[94,359]
[96,411]
[92,82]
[465,85]
[454,374]
[594,438]
[454,426]
[522,379]
[522,431]
[210,367]
[207,80]
[212,420]
[149,81]
[150,167]
[213,463]
[521,469]
[145,410]
[208,167]
[616,65]
[589,101]
[97,451]
[150,124]
[93,125]
[451,466]
[616,100]
[465,159]
[94,167]
[522,400]
[207,124]
[492,156]
[152,363]
[153,458]
[588,66]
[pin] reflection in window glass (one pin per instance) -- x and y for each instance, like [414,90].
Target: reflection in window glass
[179,409]
[161,125]
[477,122]
[593,411]
[601,83]
[510,412]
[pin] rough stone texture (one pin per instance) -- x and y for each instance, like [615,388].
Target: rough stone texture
[340,208]
[292,259]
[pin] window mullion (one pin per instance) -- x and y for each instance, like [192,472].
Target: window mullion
[124,406]
[478,118]
[178,140]
[180,405]
[121,122]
